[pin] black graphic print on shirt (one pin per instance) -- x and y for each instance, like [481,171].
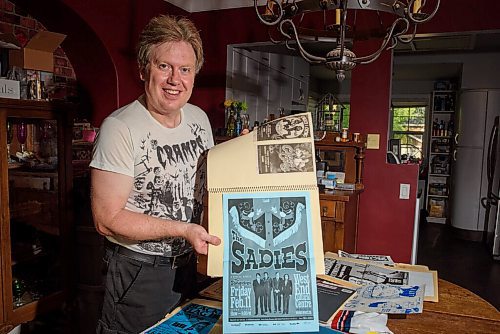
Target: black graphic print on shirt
[169,184]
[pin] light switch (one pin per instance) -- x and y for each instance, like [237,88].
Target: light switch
[404,191]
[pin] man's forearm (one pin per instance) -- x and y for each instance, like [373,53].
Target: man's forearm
[138,226]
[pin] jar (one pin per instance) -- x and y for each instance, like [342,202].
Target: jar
[344,135]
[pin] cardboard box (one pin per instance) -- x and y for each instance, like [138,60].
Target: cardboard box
[10,89]
[38,54]
[9,41]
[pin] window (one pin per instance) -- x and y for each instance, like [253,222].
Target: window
[345,115]
[408,125]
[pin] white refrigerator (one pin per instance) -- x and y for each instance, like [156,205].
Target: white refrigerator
[472,185]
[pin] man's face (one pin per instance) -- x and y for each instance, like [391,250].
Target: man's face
[169,78]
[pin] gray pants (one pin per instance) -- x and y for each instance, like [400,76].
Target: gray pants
[138,294]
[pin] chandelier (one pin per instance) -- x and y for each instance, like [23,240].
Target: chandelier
[289,23]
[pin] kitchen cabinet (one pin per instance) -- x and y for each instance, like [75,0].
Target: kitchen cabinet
[36,217]
[440,155]
[339,220]
[339,208]
[268,82]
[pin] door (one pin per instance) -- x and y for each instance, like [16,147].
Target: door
[467,188]
[490,201]
[471,118]
[491,224]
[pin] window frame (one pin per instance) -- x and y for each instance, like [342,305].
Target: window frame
[407,105]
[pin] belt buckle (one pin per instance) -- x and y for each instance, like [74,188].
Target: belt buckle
[174,261]
[176,258]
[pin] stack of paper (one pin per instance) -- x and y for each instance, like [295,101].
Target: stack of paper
[392,288]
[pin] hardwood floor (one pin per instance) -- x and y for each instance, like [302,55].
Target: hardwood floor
[465,263]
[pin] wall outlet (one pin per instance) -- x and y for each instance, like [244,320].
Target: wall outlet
[404,191]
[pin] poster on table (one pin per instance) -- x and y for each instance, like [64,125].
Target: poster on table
[269,270]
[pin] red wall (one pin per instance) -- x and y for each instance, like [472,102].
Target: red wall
[386,222]
[106,68]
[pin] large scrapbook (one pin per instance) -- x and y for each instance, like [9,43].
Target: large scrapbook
[264,205]
[277,157]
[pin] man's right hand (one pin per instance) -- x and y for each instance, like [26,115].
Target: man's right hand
[199,238]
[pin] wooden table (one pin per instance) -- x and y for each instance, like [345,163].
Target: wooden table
[458,311]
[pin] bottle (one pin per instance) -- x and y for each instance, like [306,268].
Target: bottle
[452,103]
[345,135]
[245,120]
[435,127]
[441,128]
[451,126]
[438,103]
[231,125]
[446,102]
[238,125]
[282,112]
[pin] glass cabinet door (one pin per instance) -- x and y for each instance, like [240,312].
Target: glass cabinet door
[34,209]
[36,265]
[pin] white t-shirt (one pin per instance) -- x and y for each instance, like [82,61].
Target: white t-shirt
[167,164]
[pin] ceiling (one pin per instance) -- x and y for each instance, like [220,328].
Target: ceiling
[469,42]
[206,5]
[425,44]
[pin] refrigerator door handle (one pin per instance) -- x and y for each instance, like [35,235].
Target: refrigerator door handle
[455,155]
[489,201]
[484,202]
[491,155]
[456,139]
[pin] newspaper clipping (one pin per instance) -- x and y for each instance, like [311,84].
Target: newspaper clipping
[385,298]
[269,271]
[290,127]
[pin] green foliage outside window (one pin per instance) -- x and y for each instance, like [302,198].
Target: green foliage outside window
[408,125]
[345,116]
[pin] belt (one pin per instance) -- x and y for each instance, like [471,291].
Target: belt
[155,260]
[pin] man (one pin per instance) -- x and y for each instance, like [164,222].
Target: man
[266,284]
[286,291]
[276,287]
[258,291]
[146,164]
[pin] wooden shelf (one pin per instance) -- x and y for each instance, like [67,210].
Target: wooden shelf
[440,151]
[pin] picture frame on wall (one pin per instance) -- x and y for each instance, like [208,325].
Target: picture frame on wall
[395,147]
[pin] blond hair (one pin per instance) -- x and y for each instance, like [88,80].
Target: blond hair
[164,29]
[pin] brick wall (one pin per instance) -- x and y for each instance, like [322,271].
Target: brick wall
[16,21]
